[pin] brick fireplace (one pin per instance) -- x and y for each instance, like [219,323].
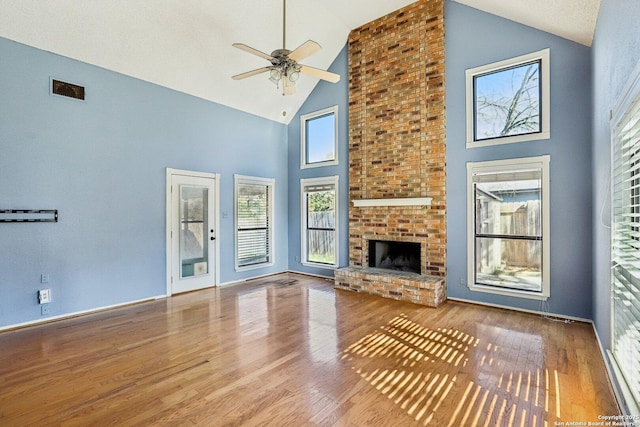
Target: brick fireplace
[397,151]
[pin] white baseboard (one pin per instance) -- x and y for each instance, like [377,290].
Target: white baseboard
[524,310]
[238,282]
[78,313]
[310,274]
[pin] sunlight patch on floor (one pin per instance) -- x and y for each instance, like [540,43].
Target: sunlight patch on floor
[399,359]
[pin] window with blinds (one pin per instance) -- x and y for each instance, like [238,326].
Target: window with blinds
[319,221]
[625,239]
[254,222]
[508,217]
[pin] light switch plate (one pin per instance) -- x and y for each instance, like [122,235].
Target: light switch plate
[44,296]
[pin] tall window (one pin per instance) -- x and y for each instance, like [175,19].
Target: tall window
[253,222]
[319,221]
[319,138]
[508,225]
[625,244]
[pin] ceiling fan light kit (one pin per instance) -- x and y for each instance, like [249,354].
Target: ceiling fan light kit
[284,63]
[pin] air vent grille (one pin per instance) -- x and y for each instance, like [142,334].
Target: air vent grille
[67,89]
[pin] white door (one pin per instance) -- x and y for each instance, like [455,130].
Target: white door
[191,230]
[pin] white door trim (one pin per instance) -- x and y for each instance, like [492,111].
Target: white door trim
[170,172]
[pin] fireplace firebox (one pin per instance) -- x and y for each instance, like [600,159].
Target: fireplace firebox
[399,256]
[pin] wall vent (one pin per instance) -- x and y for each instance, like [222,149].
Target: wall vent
[69,90]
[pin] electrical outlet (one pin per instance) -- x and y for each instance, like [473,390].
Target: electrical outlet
[44,296]
[463,281]
[44,278]
[44,310]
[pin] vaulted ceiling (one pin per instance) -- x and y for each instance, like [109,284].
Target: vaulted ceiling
[186,46]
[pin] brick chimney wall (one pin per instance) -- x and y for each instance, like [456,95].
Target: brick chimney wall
[397,131]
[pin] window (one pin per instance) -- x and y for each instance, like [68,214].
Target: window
[319,221]
[254,222]
[319,138]
[508,101]
[625,244]
[508,227]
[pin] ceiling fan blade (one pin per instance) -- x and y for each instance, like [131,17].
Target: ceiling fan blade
[253,51]
[251,73]
[306,49]
[320,74]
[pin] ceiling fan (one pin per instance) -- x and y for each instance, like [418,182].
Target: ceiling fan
[284,66]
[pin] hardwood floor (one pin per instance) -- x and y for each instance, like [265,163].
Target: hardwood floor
[289,350]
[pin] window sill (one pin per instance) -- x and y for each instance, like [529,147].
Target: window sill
[319,164]
[509,139]
[319,265]
[254,266]
[510,292]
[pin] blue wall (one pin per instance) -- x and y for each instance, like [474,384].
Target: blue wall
[323,96]
[616,52]
[102,164]
[475,38]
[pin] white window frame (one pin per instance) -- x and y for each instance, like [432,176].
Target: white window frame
[329,180]
[270,184]
[510,165]
[303,137]
[625,274]
[545,130]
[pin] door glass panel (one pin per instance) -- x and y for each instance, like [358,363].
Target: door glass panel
[194,246]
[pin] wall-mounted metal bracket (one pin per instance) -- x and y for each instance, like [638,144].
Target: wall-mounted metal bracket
[28,215]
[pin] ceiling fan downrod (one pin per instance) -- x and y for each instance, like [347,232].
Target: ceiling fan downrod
[284,24]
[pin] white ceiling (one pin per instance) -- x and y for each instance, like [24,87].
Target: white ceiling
[186,45]
[572,19]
